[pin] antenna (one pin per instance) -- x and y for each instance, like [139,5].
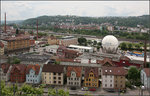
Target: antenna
[5,22]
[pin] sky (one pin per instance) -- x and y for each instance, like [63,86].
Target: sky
[21,10]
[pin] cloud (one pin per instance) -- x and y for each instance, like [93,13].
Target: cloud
[20,10]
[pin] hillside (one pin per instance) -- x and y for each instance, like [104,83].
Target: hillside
[121,21]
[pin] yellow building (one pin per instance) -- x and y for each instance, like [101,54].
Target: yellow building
[53,74]
[52,40]
[91,77]
[16,43]
[1,48]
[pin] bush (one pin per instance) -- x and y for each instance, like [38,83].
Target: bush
[128,84]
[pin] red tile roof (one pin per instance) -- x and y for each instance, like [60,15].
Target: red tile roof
[20,67]
[114,71]
[1,44]
[77,70]
[53,68]
[91,69]
[5,67]
[147,71]
[36,68]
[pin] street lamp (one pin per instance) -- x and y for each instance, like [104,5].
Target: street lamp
[142,88]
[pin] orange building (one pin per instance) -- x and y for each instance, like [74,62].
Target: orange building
[52,40]
[16,43]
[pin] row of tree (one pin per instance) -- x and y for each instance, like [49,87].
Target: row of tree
[132,46]
[28,90]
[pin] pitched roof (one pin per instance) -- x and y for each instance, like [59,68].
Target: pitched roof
[107,60]
[36,68]
[77,70]
[147,71]
[124,58]
[91,69]
[20,67]
[53,68]
[113,71]
[1,44]
[5,67]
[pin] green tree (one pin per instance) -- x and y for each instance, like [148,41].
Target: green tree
[82,41]
[133,75]
[130,46]
[123,46]
[51,92]
[17,31]
[16,61]
[95,43]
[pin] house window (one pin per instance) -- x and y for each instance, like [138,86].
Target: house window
[59,82]
[54,82]
[110,80]
[105,76]
[45,77]
[120,85]
[110,85]
[89,79]
[59,73]
[105,85]
[110,76]
[105,80]
[54,73]
[54,77]
[59,78]
[74,78]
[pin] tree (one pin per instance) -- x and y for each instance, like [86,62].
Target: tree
[82,41]
[95,42]
[133,75]
[16,61]
[130,46]
[17,31]
[123,46]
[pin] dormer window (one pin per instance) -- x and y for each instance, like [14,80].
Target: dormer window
[110,70]
[105,70]
[123,62]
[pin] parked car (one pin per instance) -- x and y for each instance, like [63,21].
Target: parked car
[92,89]
[84,89]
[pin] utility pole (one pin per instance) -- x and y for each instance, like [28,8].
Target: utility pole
[37,29]
[5,22]
[145,53]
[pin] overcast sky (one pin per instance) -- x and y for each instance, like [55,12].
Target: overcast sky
[21,10]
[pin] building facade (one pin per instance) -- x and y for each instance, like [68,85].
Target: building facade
[63,52]
[33,74]
[68,40]
[91,77]
[52,40]
[53,74]
[18,73]
[1,48]
[16,43]
[145,77]
[74,76]
[113,78]
[5,71]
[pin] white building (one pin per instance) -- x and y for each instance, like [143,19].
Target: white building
[52,48]
[81,49]
[145,77]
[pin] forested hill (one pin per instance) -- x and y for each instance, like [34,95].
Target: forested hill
[130,21]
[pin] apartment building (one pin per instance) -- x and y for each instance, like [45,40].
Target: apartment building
[113,78]
[74,76]
[53,74]
[91,78]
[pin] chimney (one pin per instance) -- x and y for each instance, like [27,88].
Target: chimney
[145,55]
[37,29]
[5,22]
